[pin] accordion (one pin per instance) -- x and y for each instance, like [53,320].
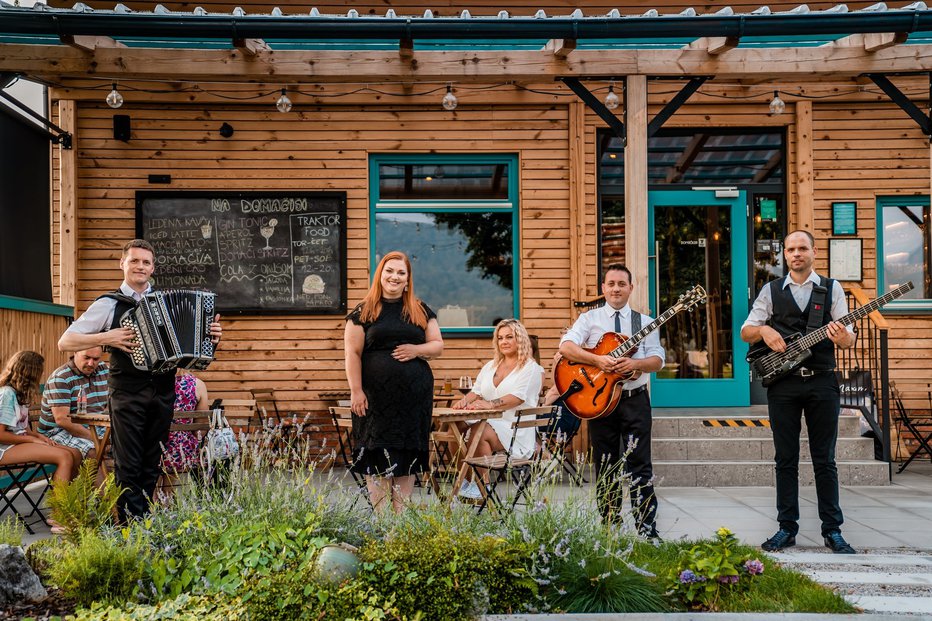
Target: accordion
[172,330]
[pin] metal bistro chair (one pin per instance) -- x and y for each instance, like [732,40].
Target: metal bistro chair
[912,424]
[343,423]
[521,470]
[15,478]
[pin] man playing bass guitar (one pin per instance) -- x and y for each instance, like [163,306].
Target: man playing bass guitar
[628,426]
[801,302]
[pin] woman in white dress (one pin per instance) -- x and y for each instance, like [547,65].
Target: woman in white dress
[511,380]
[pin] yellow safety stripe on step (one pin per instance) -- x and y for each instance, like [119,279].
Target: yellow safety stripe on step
[736,422]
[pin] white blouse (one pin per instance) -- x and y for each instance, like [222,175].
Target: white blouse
[525,384]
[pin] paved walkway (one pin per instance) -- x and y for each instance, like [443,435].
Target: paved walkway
[894,516]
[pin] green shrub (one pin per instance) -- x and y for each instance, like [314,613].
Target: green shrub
[602,584]
[11,531]
[42,554]
[183,608]
[712,568]
[80,505]
[98,570]
[449,575]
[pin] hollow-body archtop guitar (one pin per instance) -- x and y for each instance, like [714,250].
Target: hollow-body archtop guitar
[588,391]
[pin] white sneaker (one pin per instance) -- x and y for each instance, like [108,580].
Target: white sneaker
[470,490]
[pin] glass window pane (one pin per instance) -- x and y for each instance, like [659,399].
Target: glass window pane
[443,181]
[461,262]
[612,231]
[906,249]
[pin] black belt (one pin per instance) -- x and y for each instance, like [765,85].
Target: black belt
[810,372]
[627,394]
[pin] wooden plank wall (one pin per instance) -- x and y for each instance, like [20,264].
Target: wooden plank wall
[446,8]
[864,151]
[33,331]
[319,149]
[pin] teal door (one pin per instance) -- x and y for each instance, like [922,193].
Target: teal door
[696,238]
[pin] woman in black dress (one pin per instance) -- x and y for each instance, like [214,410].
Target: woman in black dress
[388,339]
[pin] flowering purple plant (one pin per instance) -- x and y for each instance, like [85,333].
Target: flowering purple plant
[754,567]
[710,568]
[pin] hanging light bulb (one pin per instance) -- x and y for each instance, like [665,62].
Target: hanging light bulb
[114,98]
[283,104]
[449,100]
[611,100]
[777,105]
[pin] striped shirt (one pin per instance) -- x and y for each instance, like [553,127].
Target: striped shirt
[63,387]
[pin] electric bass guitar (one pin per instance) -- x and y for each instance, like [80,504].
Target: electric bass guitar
[769,365]
[588,391]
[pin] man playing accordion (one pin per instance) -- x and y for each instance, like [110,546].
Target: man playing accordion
[141,402]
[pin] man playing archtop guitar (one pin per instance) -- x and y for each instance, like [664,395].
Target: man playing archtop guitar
[629,424]
[803,302]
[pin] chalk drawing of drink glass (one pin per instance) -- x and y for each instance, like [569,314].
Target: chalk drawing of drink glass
[267,230]
[207,229]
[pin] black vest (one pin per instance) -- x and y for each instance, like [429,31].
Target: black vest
[123,374]
[787,320]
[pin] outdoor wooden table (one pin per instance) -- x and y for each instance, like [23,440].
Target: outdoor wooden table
[334,397]
[445,420]
[101,440]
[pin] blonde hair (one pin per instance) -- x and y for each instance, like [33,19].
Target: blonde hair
[22,373]
[371,306]
[521,338]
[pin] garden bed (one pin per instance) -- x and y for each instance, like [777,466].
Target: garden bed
[250,546]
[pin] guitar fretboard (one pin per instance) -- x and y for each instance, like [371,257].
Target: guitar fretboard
[816,336]
[625,348]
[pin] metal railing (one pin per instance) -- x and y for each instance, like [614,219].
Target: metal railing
[865,370]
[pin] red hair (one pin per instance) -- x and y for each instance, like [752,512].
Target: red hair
[413,311]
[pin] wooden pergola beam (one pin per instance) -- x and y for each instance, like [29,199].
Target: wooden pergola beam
[89,44]
[713,45]
[172,65]
[251,47]
[871,42]
[406,49]
[561,48]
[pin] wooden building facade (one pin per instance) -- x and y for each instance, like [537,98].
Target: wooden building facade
[715,187]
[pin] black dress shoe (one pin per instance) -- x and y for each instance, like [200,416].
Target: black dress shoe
[781,540]
[650,533]
[837,543]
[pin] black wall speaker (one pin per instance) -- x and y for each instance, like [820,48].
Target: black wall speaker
[121,127]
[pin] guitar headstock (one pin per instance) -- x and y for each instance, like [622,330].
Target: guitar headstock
[691,299]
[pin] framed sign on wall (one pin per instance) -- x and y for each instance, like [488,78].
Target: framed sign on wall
[845,259]
[845,218]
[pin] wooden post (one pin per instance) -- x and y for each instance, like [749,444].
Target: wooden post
[577,170]
[636,250]
[67,207]
[804,170]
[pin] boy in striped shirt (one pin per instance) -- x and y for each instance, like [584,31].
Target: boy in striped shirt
[84,373]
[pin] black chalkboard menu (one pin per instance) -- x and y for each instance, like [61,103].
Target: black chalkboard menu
[261,252]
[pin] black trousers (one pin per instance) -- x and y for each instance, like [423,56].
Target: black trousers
[139,421]
[627,428]
[817,399]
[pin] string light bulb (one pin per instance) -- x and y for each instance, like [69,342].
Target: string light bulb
[777,105]
[283,104]
[611,100]
[114,98]
[449,100]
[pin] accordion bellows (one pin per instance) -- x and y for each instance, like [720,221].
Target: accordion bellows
[173,330]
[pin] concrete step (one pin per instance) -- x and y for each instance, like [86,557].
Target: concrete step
[694,427]
[670,473]
[748,449]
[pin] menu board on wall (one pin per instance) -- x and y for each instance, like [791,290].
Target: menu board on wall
[261,252]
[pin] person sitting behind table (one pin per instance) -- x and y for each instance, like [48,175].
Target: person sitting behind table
[181,452]
[84,371]
[512,379]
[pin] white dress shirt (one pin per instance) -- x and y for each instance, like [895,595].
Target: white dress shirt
[591,325]
[99,315]
[762,310]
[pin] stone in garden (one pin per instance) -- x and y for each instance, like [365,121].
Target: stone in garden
[18,583]
[336,562]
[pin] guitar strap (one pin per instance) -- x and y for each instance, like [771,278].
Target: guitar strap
[817,304]
[635,322]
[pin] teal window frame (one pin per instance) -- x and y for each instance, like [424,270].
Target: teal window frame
[509,205]
[898,307]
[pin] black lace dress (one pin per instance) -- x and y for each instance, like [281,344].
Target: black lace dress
[393,438]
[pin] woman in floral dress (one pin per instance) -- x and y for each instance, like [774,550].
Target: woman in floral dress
[181,452]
